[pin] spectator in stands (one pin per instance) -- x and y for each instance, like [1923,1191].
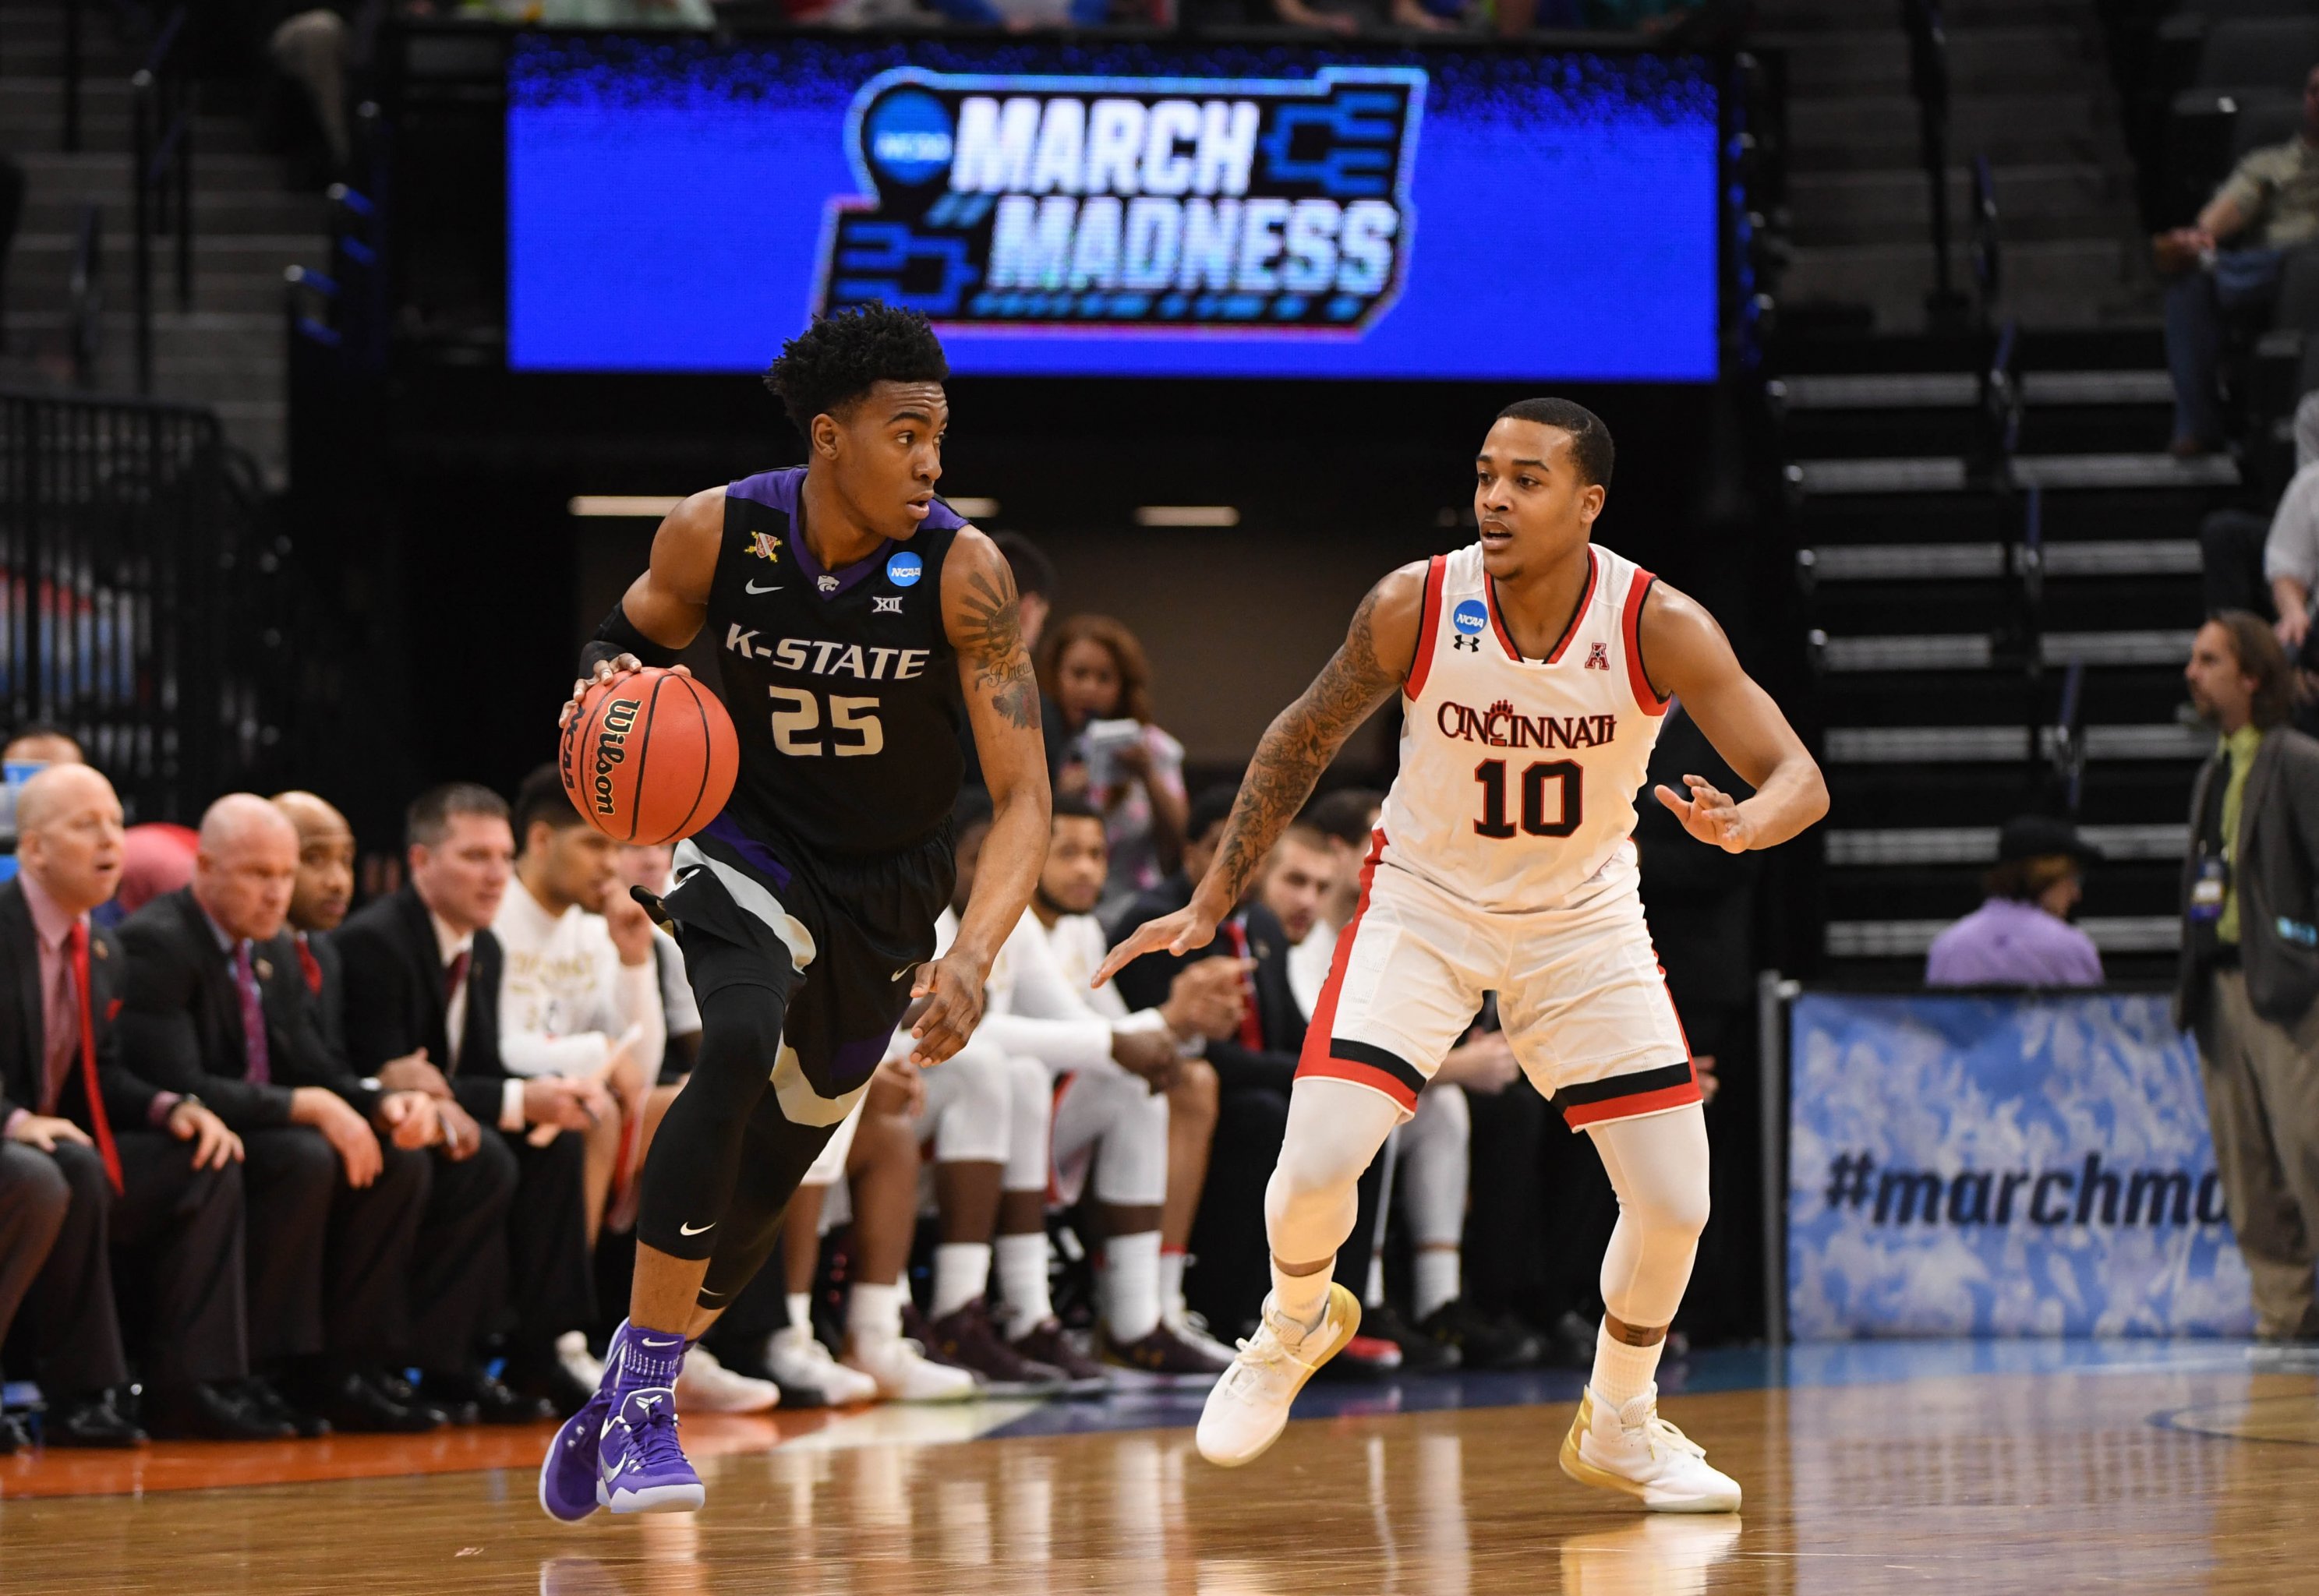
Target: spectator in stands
[215,1005]
[81,1174]
[316,49]
[1131,771]
[422,974]
[41,744]
[156,859]
[2248,979]
[2271,569]
[2229,268]
[457,1261]
[2021,935]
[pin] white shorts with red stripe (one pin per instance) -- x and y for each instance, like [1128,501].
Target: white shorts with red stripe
[1581,996]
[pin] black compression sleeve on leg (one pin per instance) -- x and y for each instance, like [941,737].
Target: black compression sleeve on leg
[619,635]
[775,1156]
[696,1157]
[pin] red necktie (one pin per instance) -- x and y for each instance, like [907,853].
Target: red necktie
[453,973]
[1251,1023]
[310,965]
[76,947]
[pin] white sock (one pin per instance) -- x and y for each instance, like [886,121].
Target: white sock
[1373,1288]
[1130,1279]
[801,1311]
[1022,1281]
[961,1274]
[1303,1299]
[1171,1282]
[1434,1279]
[1622,1373]
[874,1311]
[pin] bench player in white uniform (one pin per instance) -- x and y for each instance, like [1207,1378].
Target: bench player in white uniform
[1534,668]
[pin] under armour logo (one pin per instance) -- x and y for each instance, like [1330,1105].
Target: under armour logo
[1473,644]
[892,606]
[1598,658]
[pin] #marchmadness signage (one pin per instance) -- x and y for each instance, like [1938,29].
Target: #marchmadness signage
[1083,203]
[1962,1166]
[1114,208]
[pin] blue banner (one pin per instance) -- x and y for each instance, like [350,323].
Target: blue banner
[2002,1166]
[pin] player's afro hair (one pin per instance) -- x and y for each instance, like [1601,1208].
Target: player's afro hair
[1590,439]
[837,359]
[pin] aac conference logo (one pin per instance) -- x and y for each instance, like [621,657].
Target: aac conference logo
[1146,204]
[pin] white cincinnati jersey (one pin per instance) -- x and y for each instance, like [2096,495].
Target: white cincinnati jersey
[1518,777]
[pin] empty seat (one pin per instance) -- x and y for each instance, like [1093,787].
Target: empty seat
[2273,53]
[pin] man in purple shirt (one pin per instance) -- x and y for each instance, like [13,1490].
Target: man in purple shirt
[2022,935]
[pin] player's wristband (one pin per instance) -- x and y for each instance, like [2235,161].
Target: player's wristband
[619,635]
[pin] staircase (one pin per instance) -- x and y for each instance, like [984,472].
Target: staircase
[227,352]
[2029,90]
[1941,685]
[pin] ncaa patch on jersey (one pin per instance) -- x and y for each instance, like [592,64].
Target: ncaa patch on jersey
[905,569]
[1470,617]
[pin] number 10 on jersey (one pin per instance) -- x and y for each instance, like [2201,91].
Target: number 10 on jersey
[1568,807]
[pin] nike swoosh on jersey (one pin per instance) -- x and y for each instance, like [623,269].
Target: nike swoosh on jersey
[695,1229]
[906,969]
[751,587]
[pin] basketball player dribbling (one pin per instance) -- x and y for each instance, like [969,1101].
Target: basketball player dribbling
[852,612]
[1534,669]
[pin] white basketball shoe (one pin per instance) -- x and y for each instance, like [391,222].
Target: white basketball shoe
[904,1374]
[1248,1406]
[1632,1449]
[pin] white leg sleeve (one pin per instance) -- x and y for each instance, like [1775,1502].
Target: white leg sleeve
[1030,1102]
[1335,1127]
[1435,1163]
[1658,1166]
[967,1105]
[1128,1123]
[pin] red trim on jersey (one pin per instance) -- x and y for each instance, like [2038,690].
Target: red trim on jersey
[1314,1060]
[1630,629]
[1429,625]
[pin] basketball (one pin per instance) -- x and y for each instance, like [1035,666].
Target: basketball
[642,780]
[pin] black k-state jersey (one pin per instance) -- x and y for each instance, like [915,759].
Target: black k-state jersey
[842,684]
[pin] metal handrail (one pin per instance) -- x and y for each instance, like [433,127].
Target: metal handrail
[88,294]
[1928,80]
[161,177]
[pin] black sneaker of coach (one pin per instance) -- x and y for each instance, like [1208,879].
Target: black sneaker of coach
[1420,1352]
[1049,1344]
[1164,1352]
[1484,1341]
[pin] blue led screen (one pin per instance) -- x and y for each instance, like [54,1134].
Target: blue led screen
[1111,209]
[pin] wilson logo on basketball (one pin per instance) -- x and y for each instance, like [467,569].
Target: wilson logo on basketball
[1502,726]
[612,748]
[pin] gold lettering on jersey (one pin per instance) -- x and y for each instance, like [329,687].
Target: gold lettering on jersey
[1500,725]
[612,748]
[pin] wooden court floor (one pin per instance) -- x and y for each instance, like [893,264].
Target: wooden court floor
[2202,1477]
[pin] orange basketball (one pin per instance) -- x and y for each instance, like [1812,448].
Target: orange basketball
[638,778]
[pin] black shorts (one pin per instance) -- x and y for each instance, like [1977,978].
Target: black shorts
[743,904]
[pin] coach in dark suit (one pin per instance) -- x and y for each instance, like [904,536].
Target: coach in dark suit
[120,1166]
[459,1262]
[216,1004]
[422,974]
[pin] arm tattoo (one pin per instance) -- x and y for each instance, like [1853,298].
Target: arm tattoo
[1298,746]
[993,639]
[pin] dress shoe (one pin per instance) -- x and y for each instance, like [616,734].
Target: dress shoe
[304,1422]
[90,1420]
[13,1439]
[485,1399]
[355,1404]
[207,1412]
[550,1380]
[400,1390]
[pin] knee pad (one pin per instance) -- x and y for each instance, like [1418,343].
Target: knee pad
[1131,1169]
[975,1124]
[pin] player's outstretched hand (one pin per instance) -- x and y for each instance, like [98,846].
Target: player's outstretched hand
[1709,814]
[945,1006]
[1179,933]
[610,670]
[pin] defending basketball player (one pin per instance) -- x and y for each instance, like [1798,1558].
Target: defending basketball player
[1535,669]
[853,611]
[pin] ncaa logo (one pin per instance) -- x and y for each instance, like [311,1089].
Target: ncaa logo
[905,569]
[1470,617]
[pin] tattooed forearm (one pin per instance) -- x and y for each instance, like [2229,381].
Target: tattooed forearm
[1297,747]
[992,640]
